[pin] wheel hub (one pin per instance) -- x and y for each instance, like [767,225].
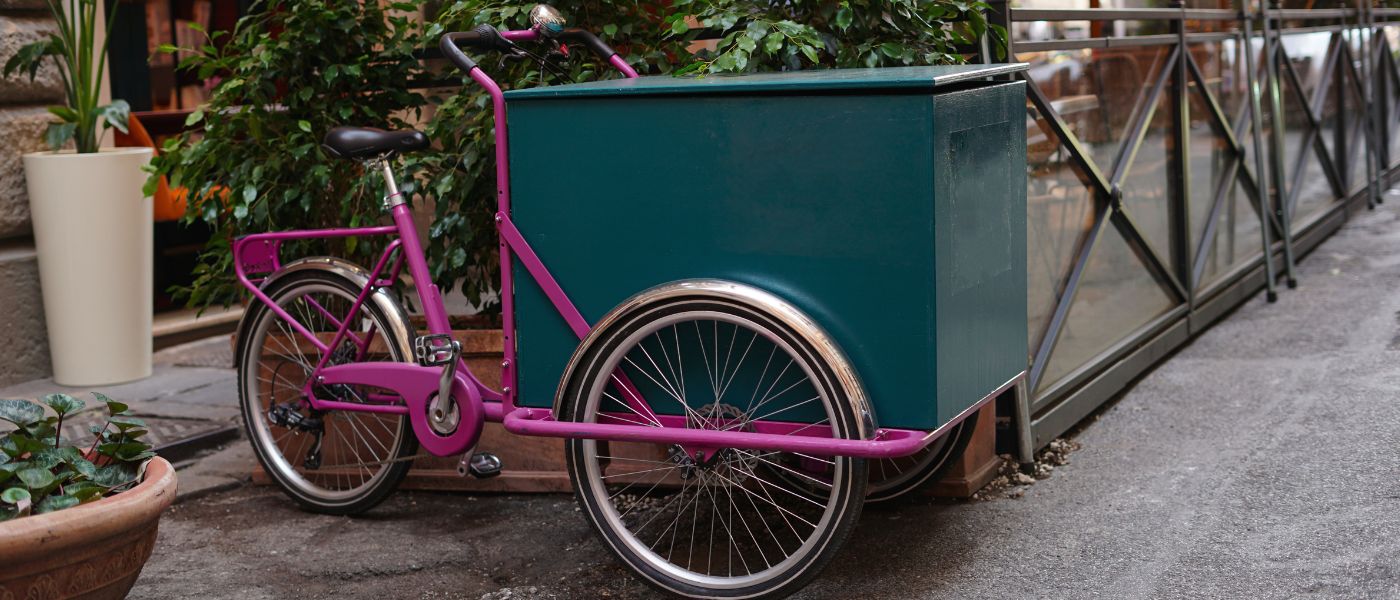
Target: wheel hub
[714,465]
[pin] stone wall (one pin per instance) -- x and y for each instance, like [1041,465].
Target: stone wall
[24,353]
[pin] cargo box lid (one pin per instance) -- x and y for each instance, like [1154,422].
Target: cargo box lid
[909,79]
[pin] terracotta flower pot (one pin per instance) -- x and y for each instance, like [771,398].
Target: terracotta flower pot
[92,551]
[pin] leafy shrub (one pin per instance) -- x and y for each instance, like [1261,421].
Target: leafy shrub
[39,474]
[322,63]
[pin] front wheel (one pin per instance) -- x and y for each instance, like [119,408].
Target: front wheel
[713,522]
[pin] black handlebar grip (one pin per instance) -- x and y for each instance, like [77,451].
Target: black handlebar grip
[586,37]
[487,37]
[448,46]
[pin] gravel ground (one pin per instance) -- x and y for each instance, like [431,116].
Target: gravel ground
[1259,462]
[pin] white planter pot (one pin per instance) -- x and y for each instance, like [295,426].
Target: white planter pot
[92,228]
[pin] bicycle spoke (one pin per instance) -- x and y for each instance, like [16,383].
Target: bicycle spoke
[703,512]
[356,448]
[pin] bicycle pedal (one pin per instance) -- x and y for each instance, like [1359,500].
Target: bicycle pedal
[481,465]
[435,350]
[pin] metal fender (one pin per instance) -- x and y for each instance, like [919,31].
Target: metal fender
[842,372]
[399,326]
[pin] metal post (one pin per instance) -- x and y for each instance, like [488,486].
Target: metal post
[1025,436]
[1339,133]
[1368,101]
[1178,214]
[1380,94]
[1256,114]
[1273,42]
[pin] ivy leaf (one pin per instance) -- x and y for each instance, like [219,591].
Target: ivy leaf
[117,115]
[85,491]
[610,30]
[58,134]
[53,503]
[304,125]
[21,443]
[63,404]
[112,476]
[35,478]
[46,458]
[85,468]
[125,451]
[20,412]
[30,57]
[843,18]
[113,407]
[14,495]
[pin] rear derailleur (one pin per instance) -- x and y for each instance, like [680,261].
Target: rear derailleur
[289,416]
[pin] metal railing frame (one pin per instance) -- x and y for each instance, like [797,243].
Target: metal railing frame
[1270,185]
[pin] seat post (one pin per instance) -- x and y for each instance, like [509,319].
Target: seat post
[428,294]
[392,196]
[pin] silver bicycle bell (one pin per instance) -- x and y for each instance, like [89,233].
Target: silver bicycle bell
[547,20]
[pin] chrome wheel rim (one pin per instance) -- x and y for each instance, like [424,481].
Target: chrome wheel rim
[733,489]
[370,440]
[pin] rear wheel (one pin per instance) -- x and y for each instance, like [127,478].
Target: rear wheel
[335,462]
[711,522]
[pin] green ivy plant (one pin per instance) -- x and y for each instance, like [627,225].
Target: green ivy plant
[289,71]
[39,474]
[799,34]
[322,63]
[81,65]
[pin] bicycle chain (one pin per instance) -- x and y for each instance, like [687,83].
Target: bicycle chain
[382,462]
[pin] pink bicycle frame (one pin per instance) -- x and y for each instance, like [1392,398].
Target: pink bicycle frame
[259,253]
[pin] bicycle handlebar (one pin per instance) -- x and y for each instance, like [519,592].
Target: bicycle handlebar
[586,37]
[487,37]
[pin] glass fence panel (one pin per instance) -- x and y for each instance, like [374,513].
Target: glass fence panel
[1147,185]
[1355,166]
[1308,54]
[1097,91]
[1211,154]
[1059,207]
[1386,64]
[1116,296]
[1104,93]
[1237,237]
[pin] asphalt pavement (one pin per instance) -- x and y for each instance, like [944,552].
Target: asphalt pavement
[1260,461]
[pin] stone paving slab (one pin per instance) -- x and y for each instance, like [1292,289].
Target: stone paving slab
[188,409]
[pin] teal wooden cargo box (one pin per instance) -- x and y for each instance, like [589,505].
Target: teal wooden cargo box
[887,204]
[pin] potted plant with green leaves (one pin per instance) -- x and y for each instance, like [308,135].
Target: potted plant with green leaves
[91,219]
[76,521]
